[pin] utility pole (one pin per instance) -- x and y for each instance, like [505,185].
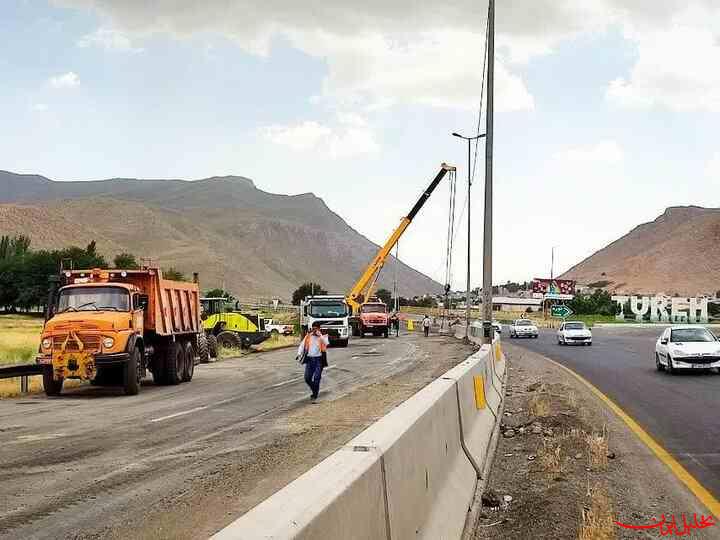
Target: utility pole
[488,332]
[467,301]
[552,262]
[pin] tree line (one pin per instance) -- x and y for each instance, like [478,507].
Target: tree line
[24,271]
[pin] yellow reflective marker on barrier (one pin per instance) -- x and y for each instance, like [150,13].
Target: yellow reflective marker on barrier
[410,325]
[498,352]
[479,381]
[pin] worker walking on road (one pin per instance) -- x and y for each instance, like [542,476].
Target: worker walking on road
[313,353]
[426,325]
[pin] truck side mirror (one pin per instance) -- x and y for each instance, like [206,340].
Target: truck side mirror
[143,301]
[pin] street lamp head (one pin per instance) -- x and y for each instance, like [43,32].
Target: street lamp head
[457,135]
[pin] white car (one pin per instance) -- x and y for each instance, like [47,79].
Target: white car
[497,326]
[523,328]
[574,333]
[686,347]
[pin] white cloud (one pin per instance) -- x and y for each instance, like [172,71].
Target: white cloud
[109,39]
[66,80]
[349,137]
[384,52]
[604,152]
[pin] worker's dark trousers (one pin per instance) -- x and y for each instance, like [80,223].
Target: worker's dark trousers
[313,374]
[427,330]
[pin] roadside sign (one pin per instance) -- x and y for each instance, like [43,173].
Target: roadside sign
[561,311]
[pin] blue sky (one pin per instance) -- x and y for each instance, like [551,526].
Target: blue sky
[606,109]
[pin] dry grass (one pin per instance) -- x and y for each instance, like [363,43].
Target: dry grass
[539,405]
[551,457]
[597,449]
[597,518]
[19,338]
[276,342]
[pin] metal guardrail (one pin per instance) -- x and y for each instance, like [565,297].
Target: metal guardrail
[23,371]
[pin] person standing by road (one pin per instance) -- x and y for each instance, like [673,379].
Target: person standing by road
[313,353]
[426,325]
[395,323]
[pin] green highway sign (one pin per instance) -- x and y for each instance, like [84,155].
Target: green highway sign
[561,311]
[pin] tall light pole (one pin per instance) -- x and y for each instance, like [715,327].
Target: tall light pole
[488,332]
[467,300]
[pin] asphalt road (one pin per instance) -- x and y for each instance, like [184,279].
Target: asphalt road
[681,412]
[72,464]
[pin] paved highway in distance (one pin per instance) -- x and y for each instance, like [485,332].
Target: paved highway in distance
[681,412]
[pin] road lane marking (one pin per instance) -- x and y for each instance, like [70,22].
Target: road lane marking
[680,472]
[182,413]
[222,402]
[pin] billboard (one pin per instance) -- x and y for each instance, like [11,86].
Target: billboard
[553,288]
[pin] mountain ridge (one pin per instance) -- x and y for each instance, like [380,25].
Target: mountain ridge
[676,253]
[254,242]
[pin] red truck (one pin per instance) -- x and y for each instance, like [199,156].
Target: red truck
[374,319]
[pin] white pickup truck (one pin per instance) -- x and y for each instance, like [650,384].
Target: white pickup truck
[282,329]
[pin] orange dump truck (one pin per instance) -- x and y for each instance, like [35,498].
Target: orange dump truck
[112,326]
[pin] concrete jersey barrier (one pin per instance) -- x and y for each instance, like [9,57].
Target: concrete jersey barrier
[411,474]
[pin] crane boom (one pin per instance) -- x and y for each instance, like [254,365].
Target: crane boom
[356,296]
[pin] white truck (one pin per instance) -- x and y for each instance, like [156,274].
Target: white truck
[332,312]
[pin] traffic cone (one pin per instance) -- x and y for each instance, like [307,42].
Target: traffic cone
[411,327]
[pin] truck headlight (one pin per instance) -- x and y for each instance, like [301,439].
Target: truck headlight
[108,342]
[46,343]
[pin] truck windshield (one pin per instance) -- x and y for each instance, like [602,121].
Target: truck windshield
[374,308]
[337,309]
[94,299]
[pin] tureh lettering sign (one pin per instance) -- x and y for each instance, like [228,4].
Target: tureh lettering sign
[666,309]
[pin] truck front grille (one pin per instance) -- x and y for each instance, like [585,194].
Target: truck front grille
[91,342]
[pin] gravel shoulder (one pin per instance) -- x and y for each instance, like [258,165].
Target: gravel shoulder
[571,467]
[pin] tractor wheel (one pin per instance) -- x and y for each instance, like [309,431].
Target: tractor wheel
[174,363]
[229,340]
[52,387]
[212,343]
[131,373]
[189,362]
[203,350]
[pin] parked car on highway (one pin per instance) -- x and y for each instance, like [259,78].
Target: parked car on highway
[497,326]
[686,347]
[574,333]
[278,328]
[523,328]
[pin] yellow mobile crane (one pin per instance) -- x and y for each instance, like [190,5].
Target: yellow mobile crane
[359,296]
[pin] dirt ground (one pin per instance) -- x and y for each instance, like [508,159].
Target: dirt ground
[566,467]
[296,442]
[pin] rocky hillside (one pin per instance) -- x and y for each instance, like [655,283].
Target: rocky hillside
[679,253]
[253,242]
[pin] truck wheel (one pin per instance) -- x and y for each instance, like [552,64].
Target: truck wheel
[203,351]
[212,345]
[229,340]
[343,342]
[131,373]
[174,360]
[51,386]
[189,362]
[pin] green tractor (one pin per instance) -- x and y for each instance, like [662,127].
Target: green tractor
[230,329]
